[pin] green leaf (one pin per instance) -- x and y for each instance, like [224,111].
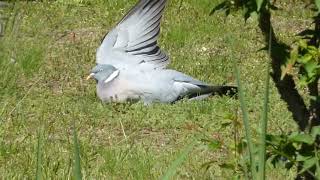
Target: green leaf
[312,48]
[303,44]
[303,81]
[315,131]
[305,59]
[294,55]
[317,2]
[313,51]
[259,4]
[311,68]
[301,138]
[308,163]
[302,158]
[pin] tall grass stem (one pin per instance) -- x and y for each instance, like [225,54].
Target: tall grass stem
[264,119]
[77,165]
[245,117]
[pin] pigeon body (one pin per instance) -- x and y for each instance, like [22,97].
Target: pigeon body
[132,67]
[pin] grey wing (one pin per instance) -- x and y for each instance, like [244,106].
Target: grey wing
[183,78]
[134,40]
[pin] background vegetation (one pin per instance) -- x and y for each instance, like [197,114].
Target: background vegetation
[49,47]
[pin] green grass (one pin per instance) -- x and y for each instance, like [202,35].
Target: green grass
[42,85]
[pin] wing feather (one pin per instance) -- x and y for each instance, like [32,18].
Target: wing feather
[135,37]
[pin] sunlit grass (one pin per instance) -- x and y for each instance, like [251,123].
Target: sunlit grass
[42,84]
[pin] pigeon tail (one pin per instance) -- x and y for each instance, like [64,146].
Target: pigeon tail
[207,91]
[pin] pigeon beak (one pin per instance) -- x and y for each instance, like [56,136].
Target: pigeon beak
[90,76]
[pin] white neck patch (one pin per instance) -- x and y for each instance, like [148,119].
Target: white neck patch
[112,76]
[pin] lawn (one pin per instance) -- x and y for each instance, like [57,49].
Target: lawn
[48,49]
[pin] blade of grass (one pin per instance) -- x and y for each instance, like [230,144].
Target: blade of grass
[264,119]
[77,165]
[38,170]
[3,109]
[24,97]
[176,163]
[244,114]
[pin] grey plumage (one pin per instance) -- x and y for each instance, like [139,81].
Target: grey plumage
[132,67]
[134,40]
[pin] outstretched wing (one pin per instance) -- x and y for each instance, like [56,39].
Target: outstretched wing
[134,40]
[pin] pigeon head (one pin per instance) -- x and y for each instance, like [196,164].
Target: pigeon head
[103,73]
